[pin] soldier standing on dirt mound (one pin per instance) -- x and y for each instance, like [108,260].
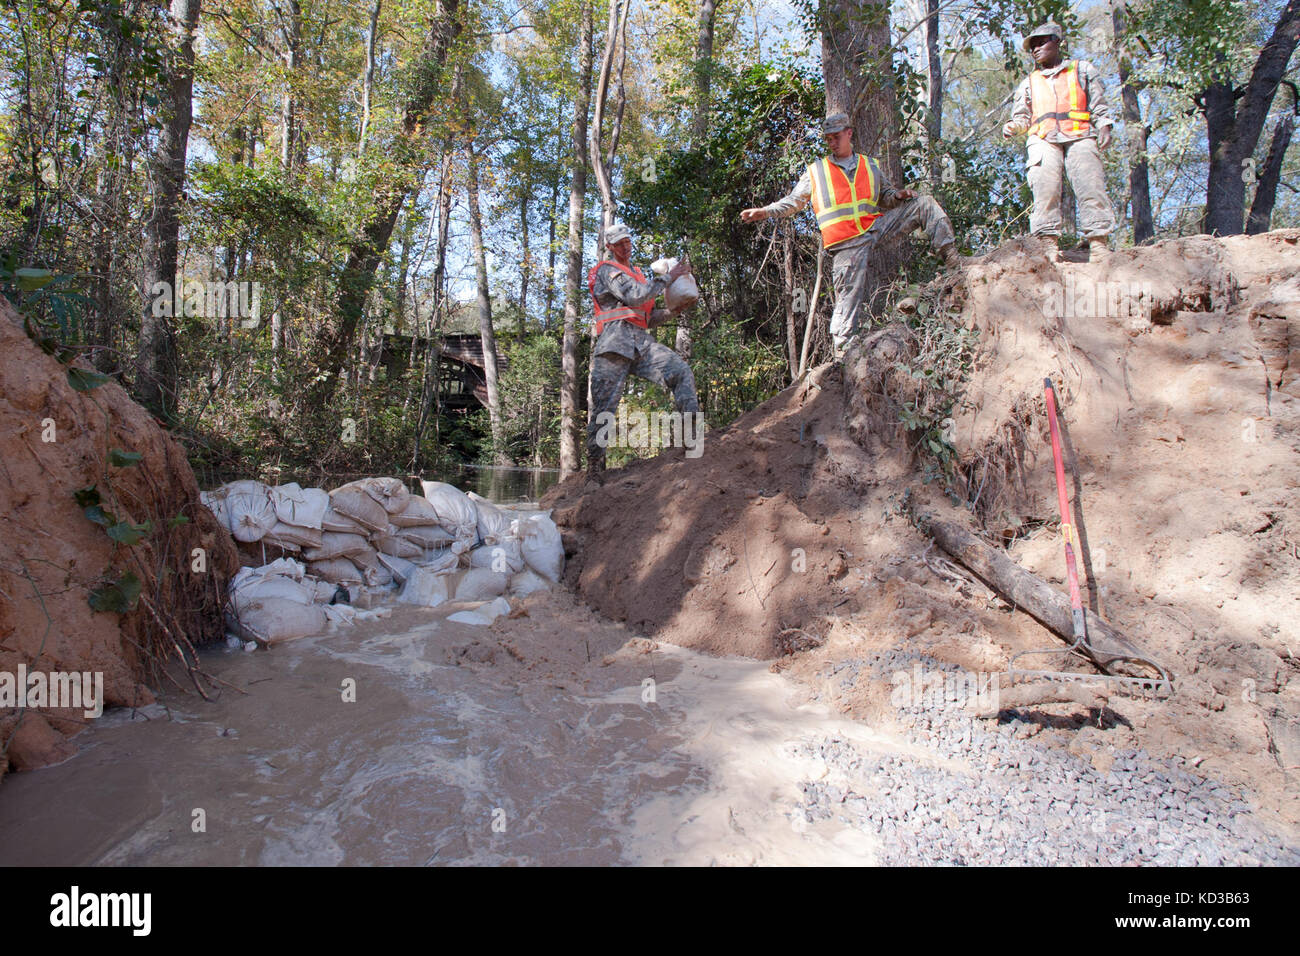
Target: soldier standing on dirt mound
[623,300]
[1062,106]
[850,196]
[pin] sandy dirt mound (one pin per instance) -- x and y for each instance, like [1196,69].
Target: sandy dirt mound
[55,440]
[1178,371]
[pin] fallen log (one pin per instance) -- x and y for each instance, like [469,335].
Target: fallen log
[1032,594]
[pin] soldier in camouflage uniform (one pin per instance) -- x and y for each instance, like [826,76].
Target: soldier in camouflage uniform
[857,216]
[623,300]
[1062,106]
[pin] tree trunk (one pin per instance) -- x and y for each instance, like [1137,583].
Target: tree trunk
[703,69]
[156,367]
[934,82]
[367,248]
[431,398]
[858,73]
[526,267]
[617,18]
[486,335]
[787,295]
[1234,123]
[1032,594]
[683,342]
[1261,211]
[555,212]
[1139,184]
[291,30]
[569,445]
[368,79]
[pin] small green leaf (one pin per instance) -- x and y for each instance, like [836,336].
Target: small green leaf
[99,516]
[178,520]
[124,459]
[117,597]
[29,280]
[84,379]
[124,532]
[87,496]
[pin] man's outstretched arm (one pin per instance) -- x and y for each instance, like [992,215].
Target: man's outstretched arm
[785,206]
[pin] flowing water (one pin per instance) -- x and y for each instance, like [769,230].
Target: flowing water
[463,745]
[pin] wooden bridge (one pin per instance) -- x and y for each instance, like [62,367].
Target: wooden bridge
[462,382]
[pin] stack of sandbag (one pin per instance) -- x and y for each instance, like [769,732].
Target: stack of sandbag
[280,601]
[375,533]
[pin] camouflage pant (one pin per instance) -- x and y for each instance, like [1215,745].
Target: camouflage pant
[651,361]
[1080,159]
[849,271]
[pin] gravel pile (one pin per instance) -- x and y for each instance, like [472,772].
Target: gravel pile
[1019,801]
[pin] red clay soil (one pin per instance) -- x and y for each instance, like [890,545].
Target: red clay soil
[52,556]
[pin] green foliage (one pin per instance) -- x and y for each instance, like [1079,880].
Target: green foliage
[117,596]
[940,369]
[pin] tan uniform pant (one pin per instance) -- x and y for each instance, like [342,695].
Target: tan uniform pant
[849,266]
[1079,159]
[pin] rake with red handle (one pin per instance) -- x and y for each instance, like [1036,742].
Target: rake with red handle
[1140,685]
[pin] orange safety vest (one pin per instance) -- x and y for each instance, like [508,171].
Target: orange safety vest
[638,316]
[1060,103]
[844,209]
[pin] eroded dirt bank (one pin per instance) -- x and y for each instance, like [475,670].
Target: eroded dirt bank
[788,540]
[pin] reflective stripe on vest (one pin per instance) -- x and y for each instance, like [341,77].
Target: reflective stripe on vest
[844,209]
[1060,103]
[638,316]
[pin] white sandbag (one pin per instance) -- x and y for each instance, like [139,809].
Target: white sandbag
[682,293]
[390,493]
[399,568]
[424,588]
[455,511]
[276,619]
[419,511]
[243,508]
[542,547]
[336,571]
[493,522]
[439,562]
[392,544]
[285,566]
[481,584]
[426,536]
[291,537]
[337,521]
[296,505]
[483,615]
[336,544]
[373,573]
[360,507]
[255,588]
[504,556]
[527,582]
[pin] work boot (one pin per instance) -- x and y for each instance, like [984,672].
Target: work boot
[951,259]
[1051,246]
[596,467]
[1098,249]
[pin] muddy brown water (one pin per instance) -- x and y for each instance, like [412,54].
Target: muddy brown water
[459,748]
